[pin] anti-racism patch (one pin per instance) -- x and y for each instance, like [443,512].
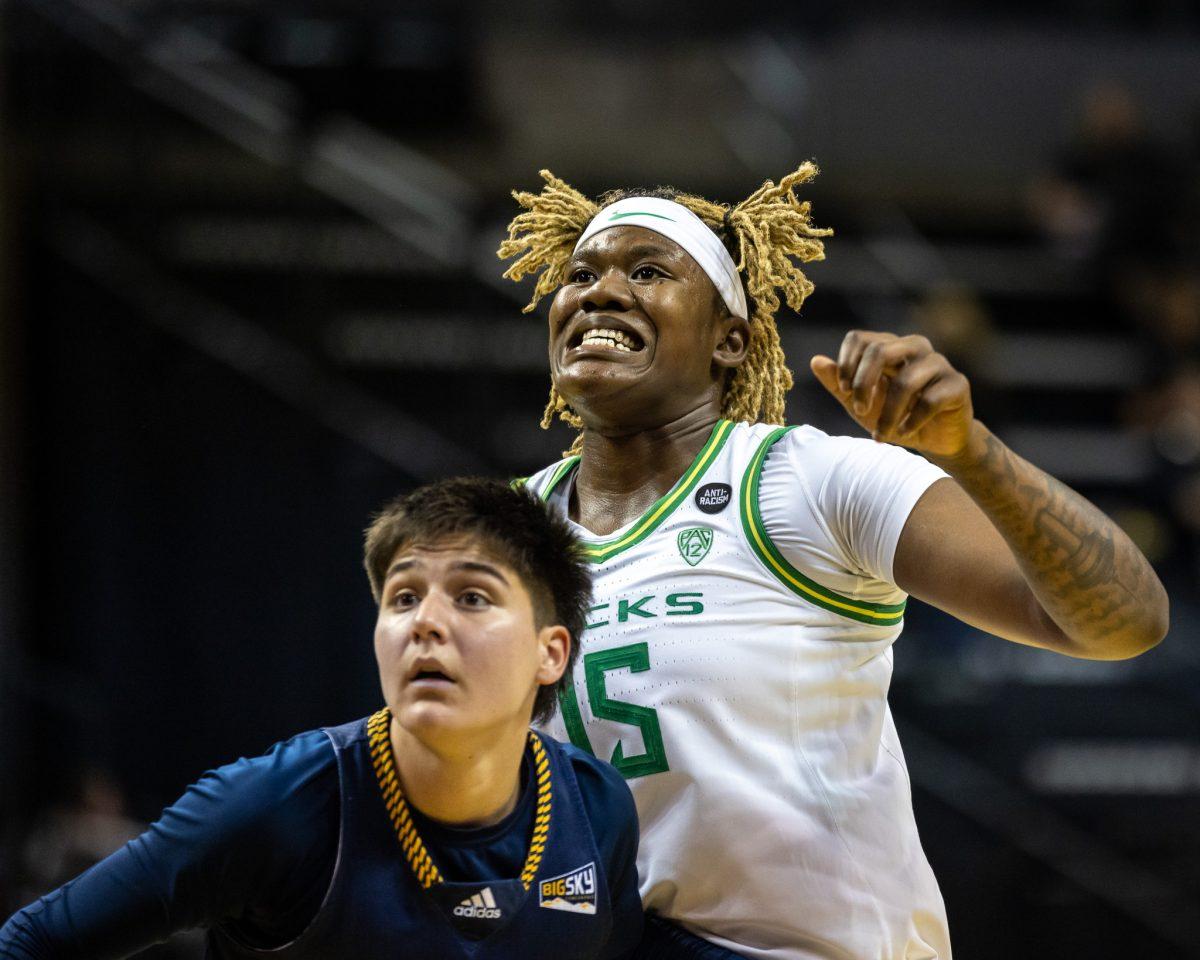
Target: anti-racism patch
[714,497]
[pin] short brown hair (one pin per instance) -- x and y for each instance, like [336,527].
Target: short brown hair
[513,525]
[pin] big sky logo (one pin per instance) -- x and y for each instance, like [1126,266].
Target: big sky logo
[574,892]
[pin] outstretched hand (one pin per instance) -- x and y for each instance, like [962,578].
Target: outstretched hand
[901,391]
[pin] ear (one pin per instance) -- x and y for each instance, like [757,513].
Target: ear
[734,342]
[554,646]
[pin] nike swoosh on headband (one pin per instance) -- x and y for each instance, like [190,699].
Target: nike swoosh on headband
[638,213]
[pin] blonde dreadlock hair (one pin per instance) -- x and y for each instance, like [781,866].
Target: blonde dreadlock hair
[765,234]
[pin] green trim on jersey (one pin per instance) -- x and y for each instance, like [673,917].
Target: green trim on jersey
[597,551]
[556,477]
[880,614]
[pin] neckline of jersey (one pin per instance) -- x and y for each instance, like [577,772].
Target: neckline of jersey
[379,742]
[598,550]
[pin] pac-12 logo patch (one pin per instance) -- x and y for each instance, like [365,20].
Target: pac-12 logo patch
[574,892]
[714,497]
[694,544]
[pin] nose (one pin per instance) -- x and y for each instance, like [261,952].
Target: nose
[609,291]
[430,620]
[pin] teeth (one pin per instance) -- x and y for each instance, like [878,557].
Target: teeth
[611,339]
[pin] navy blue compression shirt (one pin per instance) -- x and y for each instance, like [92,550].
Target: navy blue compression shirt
[250,850]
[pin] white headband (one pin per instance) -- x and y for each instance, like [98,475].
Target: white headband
[676,222]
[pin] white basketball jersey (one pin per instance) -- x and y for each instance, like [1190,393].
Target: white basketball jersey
[745,703]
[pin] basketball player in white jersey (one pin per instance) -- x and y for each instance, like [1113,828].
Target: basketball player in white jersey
[750,578]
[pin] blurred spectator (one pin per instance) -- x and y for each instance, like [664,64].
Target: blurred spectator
[1170,413]
[953,317]
[71,838]
[1164,303]
[1123,206]
[1114,195]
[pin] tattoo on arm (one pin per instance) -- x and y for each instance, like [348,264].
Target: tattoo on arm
[1087,574]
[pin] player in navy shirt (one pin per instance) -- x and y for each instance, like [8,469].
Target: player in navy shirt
[439,827]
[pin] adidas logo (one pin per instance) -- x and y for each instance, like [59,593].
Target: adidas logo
[481,906]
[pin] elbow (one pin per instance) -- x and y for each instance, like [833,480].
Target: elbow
[1134,636]
[1144,635]
[1157,620]
[1134,646]
[1158,623]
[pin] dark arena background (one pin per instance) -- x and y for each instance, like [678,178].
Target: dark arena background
[248,292]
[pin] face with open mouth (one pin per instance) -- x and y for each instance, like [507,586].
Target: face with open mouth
[635,329]
[456,641]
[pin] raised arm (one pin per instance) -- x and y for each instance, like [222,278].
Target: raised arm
[1006,547]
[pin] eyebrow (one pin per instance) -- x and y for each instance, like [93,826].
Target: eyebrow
[474,566]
